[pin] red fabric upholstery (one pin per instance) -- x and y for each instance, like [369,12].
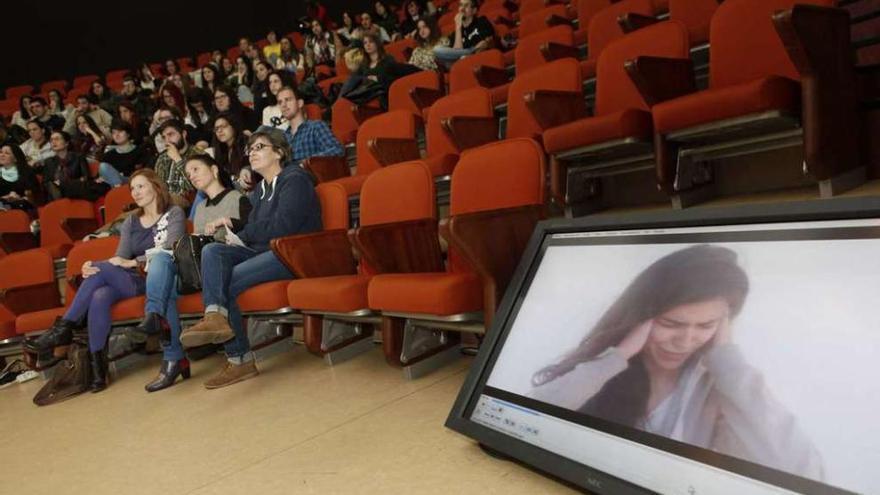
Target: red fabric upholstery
[528,50]
[594,130]
[427,293]
[264,297]
[562,74]
[696,15]
[461,74]
[399,93]
[412,198]
[761,95]
[37,321]
[341,294]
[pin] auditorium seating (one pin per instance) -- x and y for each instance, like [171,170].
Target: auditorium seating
[27,284]
[15,232]
[772,86]
[592,156]
[415,92]
[487,230]
[116,201]
[64,221]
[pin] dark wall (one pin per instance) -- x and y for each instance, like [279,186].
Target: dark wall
[64,39]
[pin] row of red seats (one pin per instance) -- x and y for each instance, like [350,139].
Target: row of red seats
[400,280]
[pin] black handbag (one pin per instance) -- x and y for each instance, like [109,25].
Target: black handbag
[71,377]
[188,257]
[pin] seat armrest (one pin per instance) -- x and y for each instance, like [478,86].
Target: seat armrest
[552,108]
[321,254]
[493,243]
[828,85]
[659,79]
[401,247]
[556,51]
[389,151]
[17,241]
[30,298]
[77,228]
[327,168]
[470,131]
[554,20]
[491,77]
[630,21]
[424,97]
[363,112]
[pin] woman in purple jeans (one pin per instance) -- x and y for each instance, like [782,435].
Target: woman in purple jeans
[154,226]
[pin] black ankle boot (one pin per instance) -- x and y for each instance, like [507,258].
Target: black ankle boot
[99,371]
[60,334]
[168,373]
[153,324]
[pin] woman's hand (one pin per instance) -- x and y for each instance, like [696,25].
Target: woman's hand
[635,340]
[724,333]
[211,227]
[122,262]
[88,269]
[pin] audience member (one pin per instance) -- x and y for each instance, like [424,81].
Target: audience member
[139,98]
[128,113]
[290,59]
[306,138]
[368,27]
[88,141]
[472,34]
[272,112]
[427,36]
[66,174]
[161,285]
[386,19]
[272,50]
[19,187]
[88,105]
[229,145]
[154,226]
[320,47]
[226,100]
[23,114]
[40,112]
[103,95]
[37,147]
[169,165]
[123,157]
[260,88]
[347,29]
[375,75]
[284,203]
[413,12]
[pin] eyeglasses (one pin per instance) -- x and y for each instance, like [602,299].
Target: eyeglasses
[220,127]
[257,147]
[221,97]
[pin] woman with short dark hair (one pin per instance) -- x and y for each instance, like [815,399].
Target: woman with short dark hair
[19,187]
[284,203]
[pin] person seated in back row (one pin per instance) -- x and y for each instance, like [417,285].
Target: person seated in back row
[307,138]
[284,203]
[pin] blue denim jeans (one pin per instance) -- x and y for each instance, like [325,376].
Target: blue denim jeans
[110,175]
[447,56]
[162,299]
[227,271]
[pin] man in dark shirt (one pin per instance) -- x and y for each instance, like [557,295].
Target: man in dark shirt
[40,111]
[472,34]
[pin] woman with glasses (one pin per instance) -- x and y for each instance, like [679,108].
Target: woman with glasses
[229,143]
[284,203]
[226,101]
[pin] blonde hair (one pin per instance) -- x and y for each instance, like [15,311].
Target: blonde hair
[354,57]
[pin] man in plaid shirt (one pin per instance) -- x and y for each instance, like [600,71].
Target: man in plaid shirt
[307,138]
[169,165]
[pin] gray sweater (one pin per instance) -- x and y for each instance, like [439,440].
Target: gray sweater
[135,239]
[727,408]
[230,203]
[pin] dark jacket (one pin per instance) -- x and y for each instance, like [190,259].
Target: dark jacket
[291,207]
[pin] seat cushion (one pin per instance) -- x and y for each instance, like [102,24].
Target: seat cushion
[712,105]
[7,324]
[429,293]
[593,130]
[37,321]
[341,294]
[441,165]
[269,296]
[190,304]
[128,309]
[352,184]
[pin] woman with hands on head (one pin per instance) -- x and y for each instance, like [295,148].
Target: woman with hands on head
[662,359]
[154,226]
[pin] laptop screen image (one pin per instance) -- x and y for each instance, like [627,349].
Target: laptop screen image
[738,357]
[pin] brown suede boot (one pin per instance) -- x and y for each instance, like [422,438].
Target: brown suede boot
[212,329]
[232,373]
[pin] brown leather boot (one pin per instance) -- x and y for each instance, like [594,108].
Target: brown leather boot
[212,329]
[233,373]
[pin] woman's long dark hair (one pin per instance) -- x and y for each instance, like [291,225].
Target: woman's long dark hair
[691,275]
[230,163]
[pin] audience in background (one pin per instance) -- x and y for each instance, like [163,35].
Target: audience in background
[40,112]
[428,37]
[306,138]
[66,174]
[169,165]
[37,147]
[472,34]
[88,105]
[123,156]
[19,187]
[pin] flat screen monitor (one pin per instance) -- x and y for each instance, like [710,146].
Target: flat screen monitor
[709,351]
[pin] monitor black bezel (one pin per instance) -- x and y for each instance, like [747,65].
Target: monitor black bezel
[555,465]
